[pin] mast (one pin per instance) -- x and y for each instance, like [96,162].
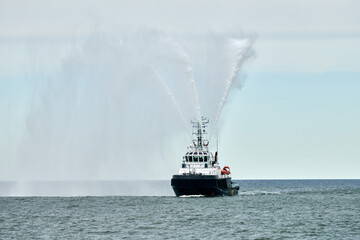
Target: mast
[199,130]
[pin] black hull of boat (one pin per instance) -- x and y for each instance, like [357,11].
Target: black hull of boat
[202,185]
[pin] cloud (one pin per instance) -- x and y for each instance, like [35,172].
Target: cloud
[62,18]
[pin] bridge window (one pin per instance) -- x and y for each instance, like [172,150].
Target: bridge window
[190,158]
[201,159]
[195,159]
[205,158]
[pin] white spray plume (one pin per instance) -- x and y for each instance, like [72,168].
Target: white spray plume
[88,120]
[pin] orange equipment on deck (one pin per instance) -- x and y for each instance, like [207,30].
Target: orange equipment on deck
[226,170]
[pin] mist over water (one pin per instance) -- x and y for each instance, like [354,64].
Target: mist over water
[120,106]
[86,188]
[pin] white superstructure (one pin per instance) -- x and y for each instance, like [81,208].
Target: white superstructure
[199,160]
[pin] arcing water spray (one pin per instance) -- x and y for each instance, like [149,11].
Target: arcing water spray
[161,79]
[241,47]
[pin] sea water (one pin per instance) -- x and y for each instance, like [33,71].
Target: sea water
[264,209]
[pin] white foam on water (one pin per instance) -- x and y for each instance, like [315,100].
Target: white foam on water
[192,196]
[258,193]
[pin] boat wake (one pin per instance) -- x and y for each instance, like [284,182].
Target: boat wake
[253,193]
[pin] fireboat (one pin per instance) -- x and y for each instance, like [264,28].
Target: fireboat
[200,173]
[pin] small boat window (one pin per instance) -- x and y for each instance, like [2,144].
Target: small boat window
[195,159]
[190,158]
[201,159]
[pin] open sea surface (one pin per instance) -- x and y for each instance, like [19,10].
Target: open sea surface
[264,209]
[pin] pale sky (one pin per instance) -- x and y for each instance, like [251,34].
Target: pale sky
[73,106]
